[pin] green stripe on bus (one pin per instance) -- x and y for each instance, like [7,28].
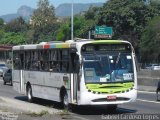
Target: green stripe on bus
[110,88]
[62,45]
[107,41]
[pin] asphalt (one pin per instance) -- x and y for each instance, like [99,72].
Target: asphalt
[147,88]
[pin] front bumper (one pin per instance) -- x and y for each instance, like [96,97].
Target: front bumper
[88,98]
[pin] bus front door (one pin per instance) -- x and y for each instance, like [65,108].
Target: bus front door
[21,73]
[75,78]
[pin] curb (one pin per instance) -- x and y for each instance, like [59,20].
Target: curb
[24,107]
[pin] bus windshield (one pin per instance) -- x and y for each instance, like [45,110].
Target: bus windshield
[111,67]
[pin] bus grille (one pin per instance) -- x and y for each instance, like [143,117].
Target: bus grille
[106,100]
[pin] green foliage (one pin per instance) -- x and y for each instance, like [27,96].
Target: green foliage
[16,25]
[1,34]
[43,15]
[29,36]
[92,13]
[38,114]
[63,32]
[150,41]
[127,17]
[1,23]
[43,22]
[82,26]
[12,38]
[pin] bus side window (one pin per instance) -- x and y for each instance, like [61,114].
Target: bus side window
[65,60]
[16,60]
[22,61]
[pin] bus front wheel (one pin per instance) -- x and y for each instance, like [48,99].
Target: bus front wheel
[29,94]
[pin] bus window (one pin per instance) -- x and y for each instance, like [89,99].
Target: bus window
[65,60]
[16,60]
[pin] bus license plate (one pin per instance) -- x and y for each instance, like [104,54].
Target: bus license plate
[111,97]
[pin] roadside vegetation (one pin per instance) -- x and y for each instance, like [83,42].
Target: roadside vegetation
[39,114]
[132,20]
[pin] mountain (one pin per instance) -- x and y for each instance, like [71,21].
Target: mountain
[23,11]
[64,10]
[9,17]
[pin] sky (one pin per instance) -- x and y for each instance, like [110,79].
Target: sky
[11,6]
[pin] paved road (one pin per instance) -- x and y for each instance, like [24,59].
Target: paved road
[146,103]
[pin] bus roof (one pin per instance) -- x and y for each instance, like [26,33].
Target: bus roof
[67,44]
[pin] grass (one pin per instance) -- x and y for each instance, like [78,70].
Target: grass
[39,114]
[64,112]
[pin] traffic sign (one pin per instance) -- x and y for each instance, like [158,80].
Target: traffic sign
[103,30]
[102,36]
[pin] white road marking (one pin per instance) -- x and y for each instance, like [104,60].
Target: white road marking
[82,118]
[146,92]
[148,101]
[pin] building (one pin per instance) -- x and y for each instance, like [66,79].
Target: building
[5,52]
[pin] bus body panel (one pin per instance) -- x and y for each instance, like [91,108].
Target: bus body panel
[16,80]
[44,84]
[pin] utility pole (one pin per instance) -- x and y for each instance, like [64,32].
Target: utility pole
[89,34]
[72,20]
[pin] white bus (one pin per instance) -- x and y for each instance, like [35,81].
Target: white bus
[82,72]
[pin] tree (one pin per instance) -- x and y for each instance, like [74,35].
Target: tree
[16,25]
[150,42]
[43,15]
[81,28]
[63,32]
[1,23]
[127,17]
[13,38]
[43,22]
[2,33]
[92,13]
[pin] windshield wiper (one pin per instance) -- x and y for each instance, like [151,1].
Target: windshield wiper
[118,58]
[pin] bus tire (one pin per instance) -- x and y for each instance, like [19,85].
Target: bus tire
[29,93]
[157,94]
[11,83]
[64,99]
[4,83]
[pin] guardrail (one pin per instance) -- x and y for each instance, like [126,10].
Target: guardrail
[148,77]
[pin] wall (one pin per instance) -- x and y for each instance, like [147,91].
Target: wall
[148,77]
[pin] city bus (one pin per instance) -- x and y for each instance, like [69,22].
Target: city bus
[81,72]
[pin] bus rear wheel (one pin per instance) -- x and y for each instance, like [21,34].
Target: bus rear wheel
[65,101]
[29,94]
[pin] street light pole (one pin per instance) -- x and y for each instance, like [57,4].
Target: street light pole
[72,20]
